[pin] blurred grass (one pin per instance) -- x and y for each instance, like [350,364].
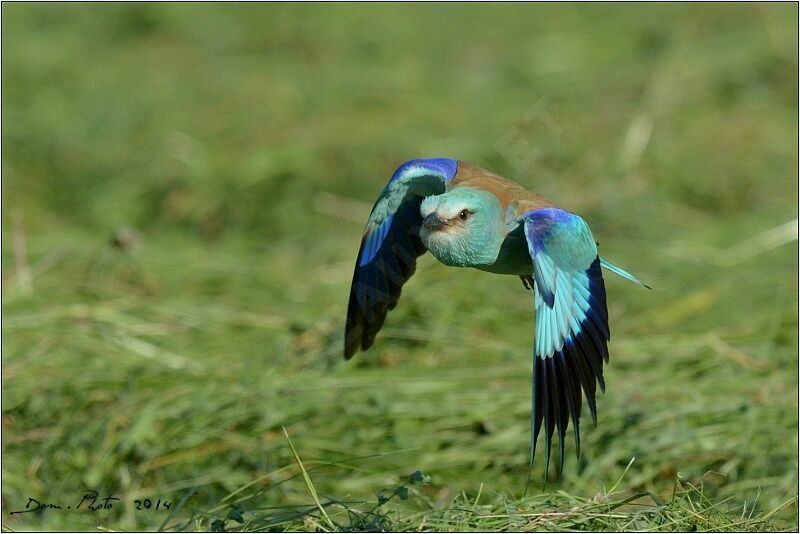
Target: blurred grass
[245,143]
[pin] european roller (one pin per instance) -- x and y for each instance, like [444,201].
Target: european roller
[469,217]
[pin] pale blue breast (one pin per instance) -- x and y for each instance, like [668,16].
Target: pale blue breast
[513,257]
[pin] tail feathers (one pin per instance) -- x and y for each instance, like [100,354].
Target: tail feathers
[622,272]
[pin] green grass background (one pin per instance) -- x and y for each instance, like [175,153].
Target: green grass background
[246,143]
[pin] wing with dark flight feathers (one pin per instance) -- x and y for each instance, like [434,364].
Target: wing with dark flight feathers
[390,247]
[572,333]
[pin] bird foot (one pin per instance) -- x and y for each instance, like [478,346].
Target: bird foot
[527,281]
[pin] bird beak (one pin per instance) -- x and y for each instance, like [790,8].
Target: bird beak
[433,222]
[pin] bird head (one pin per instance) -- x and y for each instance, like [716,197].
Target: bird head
[463,227]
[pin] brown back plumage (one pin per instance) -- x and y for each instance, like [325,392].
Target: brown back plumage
[508,191]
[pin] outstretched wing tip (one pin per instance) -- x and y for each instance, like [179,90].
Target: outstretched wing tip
[349,350]
[563,379]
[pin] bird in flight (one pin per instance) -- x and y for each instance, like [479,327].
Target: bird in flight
[469,217]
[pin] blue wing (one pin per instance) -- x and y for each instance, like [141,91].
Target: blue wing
[390,247]
[571,323]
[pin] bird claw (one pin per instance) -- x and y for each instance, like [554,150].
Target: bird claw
[527,281]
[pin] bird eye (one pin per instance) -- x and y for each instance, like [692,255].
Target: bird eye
[464,215]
